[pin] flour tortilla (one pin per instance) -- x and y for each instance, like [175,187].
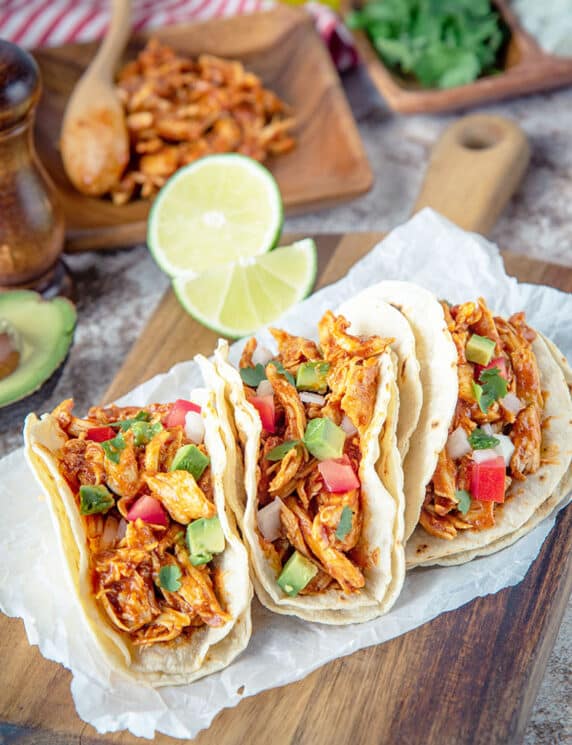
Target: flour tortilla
[372,315]
[183,660]
[437,357]
[558,498]
[382,484]
[524,498]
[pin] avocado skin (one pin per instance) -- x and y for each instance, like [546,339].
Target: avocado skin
[46,328]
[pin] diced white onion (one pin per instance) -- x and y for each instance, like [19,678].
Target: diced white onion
[109,535]
[261,356]
[504,448]
[268,519]
[312,398]
[487,428]
[194,427]
[512,403]
[122,530]
[458,444]
[480,456]
[264,388]
[348,426]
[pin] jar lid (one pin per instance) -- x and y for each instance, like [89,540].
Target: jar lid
[19,83]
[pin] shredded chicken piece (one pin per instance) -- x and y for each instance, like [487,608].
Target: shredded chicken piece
[123,477]
[247,352]
[523,362]
[294,350]
[82,462]
[292,529]
[197,589]
[526,436]
[444,481]
[180,495]
[330,508]
[164,628]
[438,526]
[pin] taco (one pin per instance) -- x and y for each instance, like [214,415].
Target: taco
[323,516]
[509,439]
[137,497]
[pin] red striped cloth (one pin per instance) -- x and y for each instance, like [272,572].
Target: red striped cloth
[36,23]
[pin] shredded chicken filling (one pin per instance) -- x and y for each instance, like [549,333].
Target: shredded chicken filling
[310,514]
[440,515]
[126,557]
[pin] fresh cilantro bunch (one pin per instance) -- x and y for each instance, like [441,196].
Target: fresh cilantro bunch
[442,43]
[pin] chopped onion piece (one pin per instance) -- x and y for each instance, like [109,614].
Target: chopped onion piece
[194,427]
[480,456]
[312,398]
[122,530]
[268,519]
[512,403]
[261,356]
[504,448]
[487,428]
[110,532]
[458,444]
[265,388]
[348,426]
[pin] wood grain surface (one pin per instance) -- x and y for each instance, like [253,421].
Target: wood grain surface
[527,69]
[469,677]
[282,47]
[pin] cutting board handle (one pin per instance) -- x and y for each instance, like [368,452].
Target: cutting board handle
[474,169]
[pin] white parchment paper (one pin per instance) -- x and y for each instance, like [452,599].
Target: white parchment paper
[428,250]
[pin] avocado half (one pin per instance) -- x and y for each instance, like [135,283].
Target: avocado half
[42,331]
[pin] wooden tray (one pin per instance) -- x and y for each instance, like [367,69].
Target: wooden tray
[470,677]
[528,69]
[281,46]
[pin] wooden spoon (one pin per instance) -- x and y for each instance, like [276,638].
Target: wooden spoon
[94,140]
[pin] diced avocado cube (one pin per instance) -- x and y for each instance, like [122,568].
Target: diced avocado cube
[204,539]
[312,377]
[324,439]
[94,499]
[190,458]
[479,349]
[296,574]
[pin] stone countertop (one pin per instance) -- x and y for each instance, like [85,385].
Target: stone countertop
[118,291]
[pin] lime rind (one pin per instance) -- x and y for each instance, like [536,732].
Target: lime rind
[258,306]
[212,212]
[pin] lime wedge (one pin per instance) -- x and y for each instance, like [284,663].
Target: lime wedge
[214,211]
[239,298]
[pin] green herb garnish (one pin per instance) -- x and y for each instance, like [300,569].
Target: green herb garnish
[280,368]
[463,500]
[125,424]
[253,376]
[441,43]
[345,524]
[170,578]
[113,448]
[490,388]
[479,440]
[280,451]
[143,432]
[95,499]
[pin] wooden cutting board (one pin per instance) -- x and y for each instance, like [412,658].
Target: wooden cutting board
[470,677]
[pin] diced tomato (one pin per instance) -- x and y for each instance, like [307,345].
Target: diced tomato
[488,480]
[179,410]
[150,510]
[498,362]
[100,434]
[266,410]
[338,474]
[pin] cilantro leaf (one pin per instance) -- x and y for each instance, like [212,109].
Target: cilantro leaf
[280,451]
[170,578]
[479,440]
[345,524]
[113,448]
[143,432]
[490,388]
[253,376]
[125,424]
[463,500]
[280,367]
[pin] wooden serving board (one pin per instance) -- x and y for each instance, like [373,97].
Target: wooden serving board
[469,677]
[527,69]
[282,47]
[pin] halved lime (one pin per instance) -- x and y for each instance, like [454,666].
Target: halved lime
[239,298]
[212,212]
